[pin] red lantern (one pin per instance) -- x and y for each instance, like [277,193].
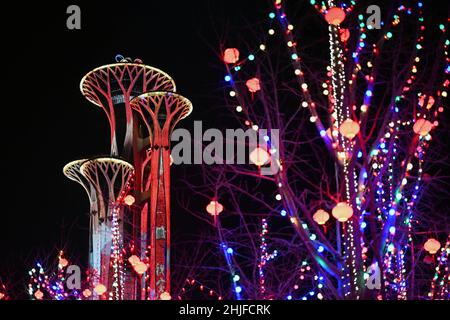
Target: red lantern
[165,296]
[39,294]
[63,263]
[432,246]
[140,268]
[344,34]
[349,128]
[342,211]
[100,289]
[422,127]
[2,295]
[253,85]
[231,55]
[335,16]
[214,208]
[134,260]
[129,200]
[87,293]
[321,216]
[259,156]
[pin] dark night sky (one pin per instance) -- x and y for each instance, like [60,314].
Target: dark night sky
[46,122]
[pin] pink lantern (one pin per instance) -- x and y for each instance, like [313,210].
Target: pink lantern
[321,216]
[129,200]
[100,289]
[253,85]
[214,208]
[63,263]
[432,246]
[349,128]
[342,212]
[422,127]
[134,260]
[140,268]
[335,16]
[259,156]
[87,293]
[39,294]
[344,34]
[231,55]
[165,296]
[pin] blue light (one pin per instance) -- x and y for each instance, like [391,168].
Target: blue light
[237,68]
[383,145]
[283,213]
[369,93]
[271,15]
[420,4]
[392,211]
[230,250]
[323,133]
[289,297]
[392,230]
[266,138]
[238,289]
[320,249]
[363,225]
[359,154]
[362,44]
[294,56]
[251,57]
[227,78]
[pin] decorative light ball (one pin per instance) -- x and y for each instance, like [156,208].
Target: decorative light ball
[231,55]
[100,289]
[39,294]
[165,296]
[321,216]
[342,211]
[253,85]
[63,262]
[432,246]
[129,200]
[134,260]
[344,34]
[140,268]
[87,293]
[422,127]
[335,16]
[214,208]
[349,128]
[259,156]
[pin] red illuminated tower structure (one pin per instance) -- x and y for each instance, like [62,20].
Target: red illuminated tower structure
[160,112]
[142,109]
[107,181]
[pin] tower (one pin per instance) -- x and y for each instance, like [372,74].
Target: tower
[106,180]
[142,109]
[160,112]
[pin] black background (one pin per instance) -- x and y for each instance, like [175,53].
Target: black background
[46,122]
